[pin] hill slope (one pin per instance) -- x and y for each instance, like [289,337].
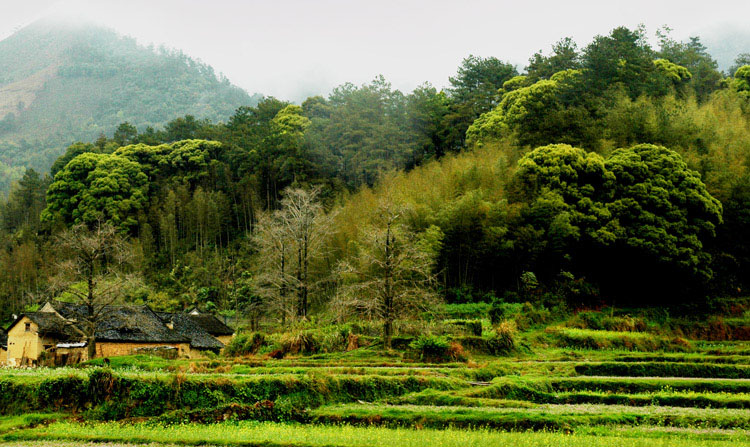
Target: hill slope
[62,82]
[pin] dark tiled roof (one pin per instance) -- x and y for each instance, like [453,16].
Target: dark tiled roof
[185,326]
[51,325]
[136,324]
[211,324]
[69,310]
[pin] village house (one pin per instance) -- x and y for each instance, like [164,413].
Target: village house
[33,334]
[55,332]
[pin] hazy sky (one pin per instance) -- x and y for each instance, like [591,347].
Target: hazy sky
[293,48]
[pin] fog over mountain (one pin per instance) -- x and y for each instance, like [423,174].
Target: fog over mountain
[63,81]
[296,48]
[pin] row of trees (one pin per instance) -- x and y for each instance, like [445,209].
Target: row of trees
[259,214]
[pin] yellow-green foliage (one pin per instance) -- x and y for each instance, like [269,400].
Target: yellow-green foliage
[675,73]
[742,78]
[712,137]
[520,104]
[430,193]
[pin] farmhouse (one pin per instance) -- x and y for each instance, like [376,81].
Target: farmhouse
[56,331]
[32,335]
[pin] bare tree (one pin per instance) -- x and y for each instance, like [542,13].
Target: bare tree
[273,281]
[390,276]
[99,258]
[288,241]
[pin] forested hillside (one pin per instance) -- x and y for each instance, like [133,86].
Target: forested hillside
[614,173]
[62,82]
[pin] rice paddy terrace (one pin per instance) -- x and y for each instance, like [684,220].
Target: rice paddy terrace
[555,396]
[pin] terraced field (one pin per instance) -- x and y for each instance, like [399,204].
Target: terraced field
[553,396]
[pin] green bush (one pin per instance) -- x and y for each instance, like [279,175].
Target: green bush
[110,396]
[245,344]
[525,315]
[503,340]
[431,348]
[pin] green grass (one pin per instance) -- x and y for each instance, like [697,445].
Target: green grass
[542,417]
[598,339]
[663,369]
[9,423]
[274,434]
[647,384]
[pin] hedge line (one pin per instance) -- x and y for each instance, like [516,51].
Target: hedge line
[663,369]
[109,396]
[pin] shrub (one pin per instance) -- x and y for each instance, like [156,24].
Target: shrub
[245,344]
[525,315]
[503,340]
[431,348]
[456,352]
[299,342]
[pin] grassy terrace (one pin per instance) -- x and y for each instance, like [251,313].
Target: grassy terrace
[541,394]
[274,434]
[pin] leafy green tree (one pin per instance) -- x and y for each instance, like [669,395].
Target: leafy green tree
[25,203]
[564,56]
[662,208]
[740,61]
[624,58]
[670,78]
[544,112]
[126,133]
[97,187]
[692,55]
[566,190]
[742,79]
[72,152]
[474,91]
[642,208]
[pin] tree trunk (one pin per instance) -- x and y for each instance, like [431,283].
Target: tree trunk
[387,333]
[388,292]
[91,340]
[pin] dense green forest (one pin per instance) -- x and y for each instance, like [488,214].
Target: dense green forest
[616,173]
[62,82]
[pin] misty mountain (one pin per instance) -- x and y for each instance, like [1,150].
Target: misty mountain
[62,82]
[726,43]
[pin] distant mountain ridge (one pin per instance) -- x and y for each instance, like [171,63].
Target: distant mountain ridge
[62,82]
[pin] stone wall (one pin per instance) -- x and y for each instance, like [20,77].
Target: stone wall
[3,357]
